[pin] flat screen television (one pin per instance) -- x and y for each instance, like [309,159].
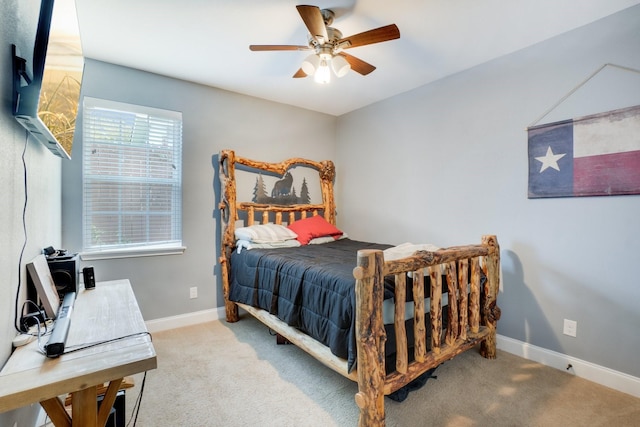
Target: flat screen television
[46,86]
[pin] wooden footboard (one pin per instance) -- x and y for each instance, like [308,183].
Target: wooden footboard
[471,316]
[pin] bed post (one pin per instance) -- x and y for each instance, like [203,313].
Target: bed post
[228,217]
[490,311]
[327,172]
[370,337]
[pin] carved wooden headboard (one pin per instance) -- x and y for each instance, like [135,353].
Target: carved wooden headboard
[231,210]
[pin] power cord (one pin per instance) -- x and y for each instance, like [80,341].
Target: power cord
[40,335]
[24,229]
[29,319]
[136,405]
[97,343]
[24,319]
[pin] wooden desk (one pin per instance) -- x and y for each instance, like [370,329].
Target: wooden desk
[109,311]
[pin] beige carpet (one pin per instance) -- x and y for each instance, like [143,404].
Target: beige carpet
[220,374]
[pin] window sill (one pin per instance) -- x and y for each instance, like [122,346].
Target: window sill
[132,253]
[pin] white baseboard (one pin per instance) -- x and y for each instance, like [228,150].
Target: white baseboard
[187,319]
[583,369]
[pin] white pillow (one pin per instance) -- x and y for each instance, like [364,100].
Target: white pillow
[265,233]
[326,239]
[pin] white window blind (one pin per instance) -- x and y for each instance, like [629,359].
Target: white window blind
[132,176]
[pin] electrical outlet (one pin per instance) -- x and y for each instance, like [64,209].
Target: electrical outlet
[193,292]
[570,327]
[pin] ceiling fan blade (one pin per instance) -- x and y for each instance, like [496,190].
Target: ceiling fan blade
[314,22]
[299,74]
[358,65]
[382,34]
[269,47]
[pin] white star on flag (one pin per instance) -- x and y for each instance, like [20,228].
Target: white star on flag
[550,160]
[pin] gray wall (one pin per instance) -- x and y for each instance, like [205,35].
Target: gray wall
[213,120]
[42,218]
[447,163]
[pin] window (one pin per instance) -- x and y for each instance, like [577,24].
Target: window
[132,179]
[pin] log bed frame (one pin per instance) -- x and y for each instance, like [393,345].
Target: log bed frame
[471,317]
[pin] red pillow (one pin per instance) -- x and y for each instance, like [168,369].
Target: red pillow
[312,227]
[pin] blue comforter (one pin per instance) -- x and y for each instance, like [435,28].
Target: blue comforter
[311,288]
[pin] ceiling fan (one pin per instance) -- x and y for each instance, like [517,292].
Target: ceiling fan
[328,44]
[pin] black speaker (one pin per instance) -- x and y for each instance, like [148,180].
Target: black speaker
[64,271]
[89,277]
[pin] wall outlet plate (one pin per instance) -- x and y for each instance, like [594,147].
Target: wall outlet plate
[570,327]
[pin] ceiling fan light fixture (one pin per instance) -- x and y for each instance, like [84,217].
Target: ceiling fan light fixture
[310,64]
[340,66]
[328,43]
[323,73]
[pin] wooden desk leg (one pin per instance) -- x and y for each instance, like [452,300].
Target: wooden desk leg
[55,409]
[108,400]
[84,407]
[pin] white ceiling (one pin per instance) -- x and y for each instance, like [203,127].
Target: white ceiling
[207,41]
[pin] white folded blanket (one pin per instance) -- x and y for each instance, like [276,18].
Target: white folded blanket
[407,249]
[246,244]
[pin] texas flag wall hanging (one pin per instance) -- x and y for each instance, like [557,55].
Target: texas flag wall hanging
[596,155]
